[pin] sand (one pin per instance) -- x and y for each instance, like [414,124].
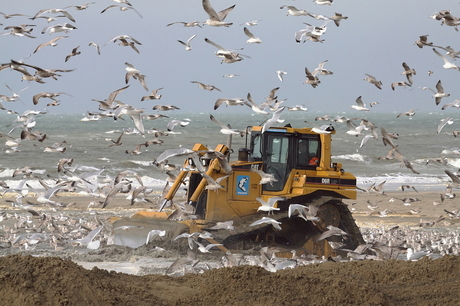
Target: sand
[75,275]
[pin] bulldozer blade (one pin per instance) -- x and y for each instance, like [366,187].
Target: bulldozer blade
[133,231]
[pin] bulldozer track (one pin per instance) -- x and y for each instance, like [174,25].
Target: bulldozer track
[244,232]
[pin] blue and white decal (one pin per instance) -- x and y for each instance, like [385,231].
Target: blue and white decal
[242,185]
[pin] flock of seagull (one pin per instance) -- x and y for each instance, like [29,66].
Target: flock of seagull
[61,231]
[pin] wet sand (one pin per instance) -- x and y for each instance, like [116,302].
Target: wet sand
[70,274]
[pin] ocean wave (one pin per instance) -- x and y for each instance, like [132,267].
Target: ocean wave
[354,157]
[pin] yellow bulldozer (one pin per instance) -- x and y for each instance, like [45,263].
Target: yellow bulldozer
[283,166]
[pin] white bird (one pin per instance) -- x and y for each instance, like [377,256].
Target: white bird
[280,74]
[89,238]
[54,11]
[252,39]
[447,63]
[273,120]
[332,231]
[439,94]
[371,79]
[226,130]
[448,120]
[206,249]
[98,49]
[323,129]
[303,212]
[64,27]
[216,19]
[269,205]
[265,177]
[251,23]
[260,109]
[361,106]
[417,255]
[266,220]
[152,233]
[312,33]
[293,11]
[187,45]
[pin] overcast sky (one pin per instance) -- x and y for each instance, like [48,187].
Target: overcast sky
[375,39]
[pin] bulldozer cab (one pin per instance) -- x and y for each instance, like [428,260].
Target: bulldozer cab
[281,152]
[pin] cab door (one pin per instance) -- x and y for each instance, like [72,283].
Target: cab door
[276,159]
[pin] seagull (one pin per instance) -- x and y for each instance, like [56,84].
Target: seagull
[74,52]
[448,120]
[124,41]
[439,94]
[408,113]
[264,177]
[273,120]
[311,79]
[417,255]
[269,205]
[152,233]
[216,19]
[251,23]
[132,71]
[173,123]
[122,8]
[259,109]
[50,95]
[455,103]
[206,249]
[423,41]
[312,33]
[447,63]
[400,83]
[187,45]
[206,86]
[361,106]
[337,18]
[266,220]
[54,11]
[187,24]
[374,81]
[64,27]
[226,130]
[324,129]
[89,238]
[303,212]
[280,74]
[234,101]
[408,72]
[293,11]
[252,39]
[108,103]
[153,96]
[320,69]
[51,43]
[98,49]
[332,231]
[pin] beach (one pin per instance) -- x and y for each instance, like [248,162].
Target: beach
[120,275]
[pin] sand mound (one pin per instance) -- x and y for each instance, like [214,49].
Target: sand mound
[27,280]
